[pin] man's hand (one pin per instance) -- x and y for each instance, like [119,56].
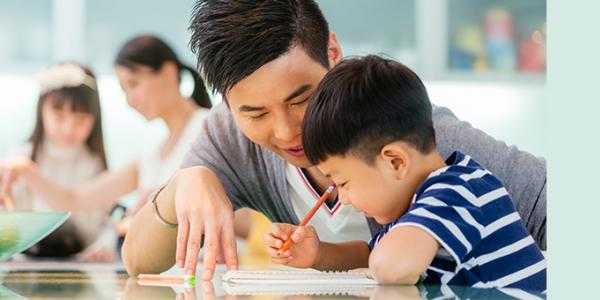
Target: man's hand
[205,217]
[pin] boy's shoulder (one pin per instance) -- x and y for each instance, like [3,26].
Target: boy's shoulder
[462,182]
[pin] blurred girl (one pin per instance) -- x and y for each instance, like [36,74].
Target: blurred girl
[67,146]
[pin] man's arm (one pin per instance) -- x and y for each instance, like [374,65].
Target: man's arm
[198,199]
[195,200]
[149,246]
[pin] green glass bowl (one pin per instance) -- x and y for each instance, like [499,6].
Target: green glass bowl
[20,230]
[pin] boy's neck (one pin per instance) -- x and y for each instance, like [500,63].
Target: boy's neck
[424,164]
[428,163]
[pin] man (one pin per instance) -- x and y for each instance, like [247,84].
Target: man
[266,58]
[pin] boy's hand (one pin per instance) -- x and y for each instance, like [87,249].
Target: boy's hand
[365,271]
[303,251]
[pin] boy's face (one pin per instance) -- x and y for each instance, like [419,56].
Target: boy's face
[269,104]
[375,190]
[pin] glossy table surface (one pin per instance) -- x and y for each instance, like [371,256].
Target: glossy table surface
[66,280]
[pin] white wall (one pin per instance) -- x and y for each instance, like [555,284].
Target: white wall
[509,112]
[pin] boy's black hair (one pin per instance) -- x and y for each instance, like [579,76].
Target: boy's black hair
[234,38]
[363,104]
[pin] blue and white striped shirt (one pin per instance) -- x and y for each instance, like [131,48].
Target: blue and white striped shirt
[484,242]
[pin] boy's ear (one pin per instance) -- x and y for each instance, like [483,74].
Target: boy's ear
[397,158]
[334,50]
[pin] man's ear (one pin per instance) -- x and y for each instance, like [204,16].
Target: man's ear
[334,50]
[397,158]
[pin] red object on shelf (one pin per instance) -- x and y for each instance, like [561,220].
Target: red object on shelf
[532,56]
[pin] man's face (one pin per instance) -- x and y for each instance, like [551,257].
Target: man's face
[269,104]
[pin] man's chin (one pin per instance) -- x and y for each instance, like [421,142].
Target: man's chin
[300,162]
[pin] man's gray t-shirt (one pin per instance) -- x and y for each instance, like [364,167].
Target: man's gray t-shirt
[255,177]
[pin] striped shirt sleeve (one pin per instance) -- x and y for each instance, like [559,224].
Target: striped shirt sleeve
[445,212]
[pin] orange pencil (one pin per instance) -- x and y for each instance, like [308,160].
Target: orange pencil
[308,216]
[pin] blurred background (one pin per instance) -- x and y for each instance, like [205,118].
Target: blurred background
[486,60]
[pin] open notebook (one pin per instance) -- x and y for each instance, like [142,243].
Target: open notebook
[296,282]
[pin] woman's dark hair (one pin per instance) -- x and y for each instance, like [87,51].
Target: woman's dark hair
[82,98]
[152,52]
[234,38]
[363,104]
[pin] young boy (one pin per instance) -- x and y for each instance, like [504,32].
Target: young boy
[369,128]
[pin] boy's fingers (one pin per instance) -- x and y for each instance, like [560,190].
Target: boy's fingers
[299,234]
[280,261]
[280,230]
[272,241]
[274,253]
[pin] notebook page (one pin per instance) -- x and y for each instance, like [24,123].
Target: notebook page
[295,289]
[295,277]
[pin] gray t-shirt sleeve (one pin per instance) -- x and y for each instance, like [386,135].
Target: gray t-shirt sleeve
[252,176]
[220,147]
[523,174]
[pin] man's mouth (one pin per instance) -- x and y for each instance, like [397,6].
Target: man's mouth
[295,151]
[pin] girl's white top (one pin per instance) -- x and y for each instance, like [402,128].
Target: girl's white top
[68,167]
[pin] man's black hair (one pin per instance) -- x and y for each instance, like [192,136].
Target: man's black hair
[363,104]
[234,38]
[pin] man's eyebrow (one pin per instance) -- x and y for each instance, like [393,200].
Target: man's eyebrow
[303,88]
[248,108]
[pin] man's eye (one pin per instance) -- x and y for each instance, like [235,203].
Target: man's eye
[299,102]
[257,117]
